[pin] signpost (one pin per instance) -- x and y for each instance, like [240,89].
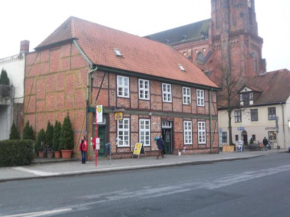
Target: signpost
[99,119]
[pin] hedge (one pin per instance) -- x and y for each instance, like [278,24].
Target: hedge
[16,152]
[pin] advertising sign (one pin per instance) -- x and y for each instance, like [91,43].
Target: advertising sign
[137,148]
[118,116]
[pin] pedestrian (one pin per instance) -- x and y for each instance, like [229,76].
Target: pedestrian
[160,145]
[265,143]
[83,147]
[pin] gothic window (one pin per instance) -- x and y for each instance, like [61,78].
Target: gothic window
[200,56]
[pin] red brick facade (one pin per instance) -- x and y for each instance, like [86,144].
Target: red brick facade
[55,86]
[156,111]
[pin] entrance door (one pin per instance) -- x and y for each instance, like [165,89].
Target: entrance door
[166,135]
[102,136]
[245,137]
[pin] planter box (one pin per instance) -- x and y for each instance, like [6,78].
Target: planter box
[66,154]
[228,148]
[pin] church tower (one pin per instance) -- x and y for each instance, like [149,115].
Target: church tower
[234,38]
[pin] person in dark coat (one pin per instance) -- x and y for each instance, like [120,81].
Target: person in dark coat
[83,147]
[265,143]
[160,145]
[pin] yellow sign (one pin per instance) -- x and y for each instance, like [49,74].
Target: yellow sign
[118,116]
[137,148]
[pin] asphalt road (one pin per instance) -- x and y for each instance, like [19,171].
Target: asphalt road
[257,187]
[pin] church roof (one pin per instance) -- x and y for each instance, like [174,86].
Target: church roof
[273,88]
[188,32]
[140,55]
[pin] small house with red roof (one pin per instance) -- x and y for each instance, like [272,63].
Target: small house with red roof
[261,108]
[158,91]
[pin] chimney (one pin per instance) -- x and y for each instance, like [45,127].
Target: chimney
[24,46]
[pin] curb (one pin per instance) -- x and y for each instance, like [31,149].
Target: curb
[131,168]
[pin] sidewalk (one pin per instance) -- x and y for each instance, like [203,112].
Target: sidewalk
[58,169]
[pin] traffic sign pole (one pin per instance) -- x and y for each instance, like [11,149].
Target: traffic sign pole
[96,135]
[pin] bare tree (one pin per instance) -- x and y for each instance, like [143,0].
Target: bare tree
[229,98]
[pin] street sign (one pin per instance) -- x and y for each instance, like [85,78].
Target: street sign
[98,143]
[99,114]
[241,128]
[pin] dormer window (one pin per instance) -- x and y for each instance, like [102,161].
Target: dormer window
[181,68]
[246,98]
[117,52]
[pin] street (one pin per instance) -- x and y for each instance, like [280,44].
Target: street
[252,187]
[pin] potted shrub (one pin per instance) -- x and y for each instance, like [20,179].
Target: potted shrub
[66,138]
[39,145]
[28,132]
[55,139]
[48,140]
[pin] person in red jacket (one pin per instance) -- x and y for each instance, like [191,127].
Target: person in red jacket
[83,148]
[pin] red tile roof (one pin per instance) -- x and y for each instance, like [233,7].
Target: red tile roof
[138,54]
[274,87]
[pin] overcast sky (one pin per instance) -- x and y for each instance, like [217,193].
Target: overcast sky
[34,20]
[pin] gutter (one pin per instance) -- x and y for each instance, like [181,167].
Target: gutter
[210,118]
[89,84]
[252,106]
[89,79]
[283,116]
[156,78]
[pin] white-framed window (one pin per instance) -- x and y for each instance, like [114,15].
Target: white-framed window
[166,124]
[186,95]
[144,131]
[123,86]
[166,93]
[200,97]
[238,116]
[144,92]
[123,133]
[187,132]
[225,137]
[201,133]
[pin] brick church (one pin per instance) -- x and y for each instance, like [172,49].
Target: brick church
[226,44]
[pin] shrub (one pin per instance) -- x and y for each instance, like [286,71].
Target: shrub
[28,132]
[14,135]
[66,135]
[40,138]
[4,78]
[56,136]
[16,152]
[49,135]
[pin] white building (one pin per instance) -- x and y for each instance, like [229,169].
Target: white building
[260,101]
[12,97]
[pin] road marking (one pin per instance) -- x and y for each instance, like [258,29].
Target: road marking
[161,191]
[35,172]
[36,214]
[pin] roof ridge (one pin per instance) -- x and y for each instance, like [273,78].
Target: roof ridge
[179,27]
[73,27]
